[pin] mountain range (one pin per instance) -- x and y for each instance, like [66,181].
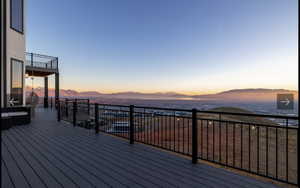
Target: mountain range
[256,94]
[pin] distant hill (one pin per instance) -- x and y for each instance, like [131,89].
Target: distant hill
[258,90]
[158,95]
[51,92]
[126,95]
[259,94]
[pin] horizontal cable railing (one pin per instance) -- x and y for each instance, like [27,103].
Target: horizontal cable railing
[265,145]
[41,61]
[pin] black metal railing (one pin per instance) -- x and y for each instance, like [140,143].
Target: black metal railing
[41,61]
[265,145]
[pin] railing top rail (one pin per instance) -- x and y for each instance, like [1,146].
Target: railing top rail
[204,111]
[248,123]
[70,100]
[252,115]
[222,113]
[114,105]
[159,108]
[40,55]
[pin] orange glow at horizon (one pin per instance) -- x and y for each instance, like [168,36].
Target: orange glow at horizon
[39,83]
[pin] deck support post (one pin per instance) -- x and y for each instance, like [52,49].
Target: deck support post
[96,118]
[56,88]
[74,112]
[46,104]
[194,137]
[131,124]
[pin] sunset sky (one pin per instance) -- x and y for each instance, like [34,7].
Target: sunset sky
[187,46]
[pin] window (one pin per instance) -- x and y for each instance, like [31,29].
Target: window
[16,15]
[16,96]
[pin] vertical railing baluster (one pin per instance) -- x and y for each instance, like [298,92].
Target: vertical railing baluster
[147,129]
[165,131]
[58,111]
[174,133]
[249,146]
[194,136]
[96,118]
[152,130]
[257,145]
[131,121]
[220,138]
[233,150]
[188,123]
[74,112]
[67,109]
[213,148]
[287,150]
[178,134]
[183,137]
[160,131]
[276,158]
[241,142]
[207,138]
[88,106]
[170,128]
[145,124]
[226,126]
[202,138]
[155,131]
[267,151]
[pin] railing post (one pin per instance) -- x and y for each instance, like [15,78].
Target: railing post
[194,137]
[88,106]
[96,118]
[74,112]
[58,111]
[131,124]
[67,108]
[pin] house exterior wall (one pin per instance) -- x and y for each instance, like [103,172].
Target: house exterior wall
[15,48]
[2,26]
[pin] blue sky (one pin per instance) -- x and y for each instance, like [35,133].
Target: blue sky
[188,46]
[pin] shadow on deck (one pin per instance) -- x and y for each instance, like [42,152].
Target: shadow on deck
[51,154]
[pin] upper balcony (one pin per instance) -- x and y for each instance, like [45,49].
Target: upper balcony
[40,65]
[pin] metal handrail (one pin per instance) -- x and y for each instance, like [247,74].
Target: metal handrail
[236,143]
[41,61]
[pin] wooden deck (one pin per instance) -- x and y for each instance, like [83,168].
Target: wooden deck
[51,154]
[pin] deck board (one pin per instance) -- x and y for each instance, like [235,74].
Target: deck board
[48,153]
[5,178]
[14,170]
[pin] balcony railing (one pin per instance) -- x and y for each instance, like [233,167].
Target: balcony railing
[41,61]
[265,145]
